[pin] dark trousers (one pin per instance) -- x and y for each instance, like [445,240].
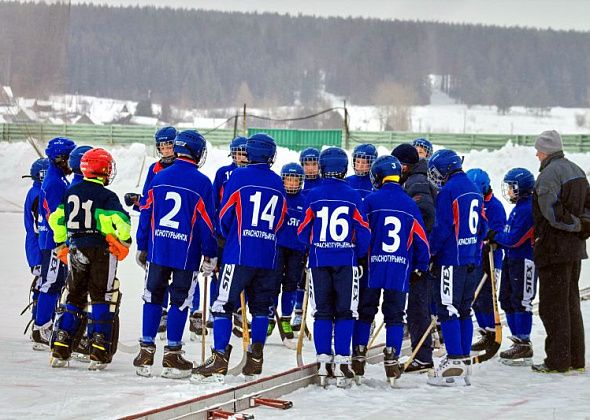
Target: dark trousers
[419,316]
[559,309]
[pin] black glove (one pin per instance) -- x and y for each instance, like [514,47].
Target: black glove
[132,199]
[585,232]
[490,236]
[141,259]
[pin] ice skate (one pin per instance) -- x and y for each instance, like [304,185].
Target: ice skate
[325,369]
[342,371]
[418,366]
[214,369]
[100,352]
[359,359]
[175,366]
[82,351]
[297,319]
[61,349]
[393,370]
[450,372]
[144,361]
[40,337]
[195,326]
[486,340]
[519,354]
[254,360]
[285,328]
[163,325]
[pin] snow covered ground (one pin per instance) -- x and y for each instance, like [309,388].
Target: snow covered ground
[30,388]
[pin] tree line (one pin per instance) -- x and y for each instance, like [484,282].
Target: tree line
[218,59]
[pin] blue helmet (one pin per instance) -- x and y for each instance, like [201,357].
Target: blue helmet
[368,153]
[481,179]
[192,143]
[165,135]
[236,147]
[443,164]
[333,163]
[38,169]
[518,183]
[59,149]
[385,168]
[292,170]
[311,154]
[424,144]
[261,148]
[76,157]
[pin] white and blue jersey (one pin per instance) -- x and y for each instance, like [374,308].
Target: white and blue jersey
[51,196]
[518,236]
[360,183]
[398,238]
[288,234]
[334,225]
[251,216]
[176,225]
[31,222]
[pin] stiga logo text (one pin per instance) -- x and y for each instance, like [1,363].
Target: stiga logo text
[446,280]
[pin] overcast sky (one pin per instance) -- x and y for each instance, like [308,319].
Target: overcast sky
[556,14]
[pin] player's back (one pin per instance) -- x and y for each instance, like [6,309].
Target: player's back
[51,195]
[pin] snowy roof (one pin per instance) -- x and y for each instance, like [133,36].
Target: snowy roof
[136,120]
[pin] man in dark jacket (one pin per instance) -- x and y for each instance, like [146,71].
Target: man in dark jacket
[422,191]
[561,213]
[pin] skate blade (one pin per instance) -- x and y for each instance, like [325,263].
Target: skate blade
[449,381]
[96,365]
[342,382]
[323,381]
[40,347]
[162,335]
[290,344]
[145,371]
[58,363]
[80,357]
[250,378]
[216,378]
[358,379]
[173,373]
[392,382]
[517,362]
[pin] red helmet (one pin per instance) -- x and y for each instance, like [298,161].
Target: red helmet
[98,163]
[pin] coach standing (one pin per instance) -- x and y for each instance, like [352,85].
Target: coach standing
[561,213]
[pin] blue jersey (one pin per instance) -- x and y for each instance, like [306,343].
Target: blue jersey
[176,225]
[360,183]
[52,193]
[221,177]
[518,236]
[460,223]
[288,234]
[253,210]
[334,225]
[308,184]
[496,216]
[31,221]
[151,173]
[76,179]
[398,238]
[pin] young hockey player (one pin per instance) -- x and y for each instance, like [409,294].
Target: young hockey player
[519,275]
[253,209]
[337,233]
[414,179]
[175,230]
[53,268]
[164,138]
[97,228]
[291,252]
[483,305]
[398,251]
[74,163]
[363,157]
[455,244]
[424,148]
[31,222]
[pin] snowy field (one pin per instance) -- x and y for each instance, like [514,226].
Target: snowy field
[31,389]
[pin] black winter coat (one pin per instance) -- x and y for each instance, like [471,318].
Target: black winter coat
[422,191]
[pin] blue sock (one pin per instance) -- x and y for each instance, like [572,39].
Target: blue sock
[451,330]
[259,329]
[343,336]
[524,322]
[394,336]
[221,333]
[485,320]
[45,308]
[102,318]
[175,327]
[511,321]
[466,335]
[299,300]
[361,333]
[68,321]
[196,299]
[287,301]
[213,291]
[322,336]
[151,320]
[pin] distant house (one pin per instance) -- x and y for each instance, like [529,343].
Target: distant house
[43,106]
[84,119]
[6,96]
[25,116]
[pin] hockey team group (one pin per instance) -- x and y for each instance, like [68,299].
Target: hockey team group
[410,234]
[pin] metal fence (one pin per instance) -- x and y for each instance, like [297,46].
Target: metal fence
[293,139]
